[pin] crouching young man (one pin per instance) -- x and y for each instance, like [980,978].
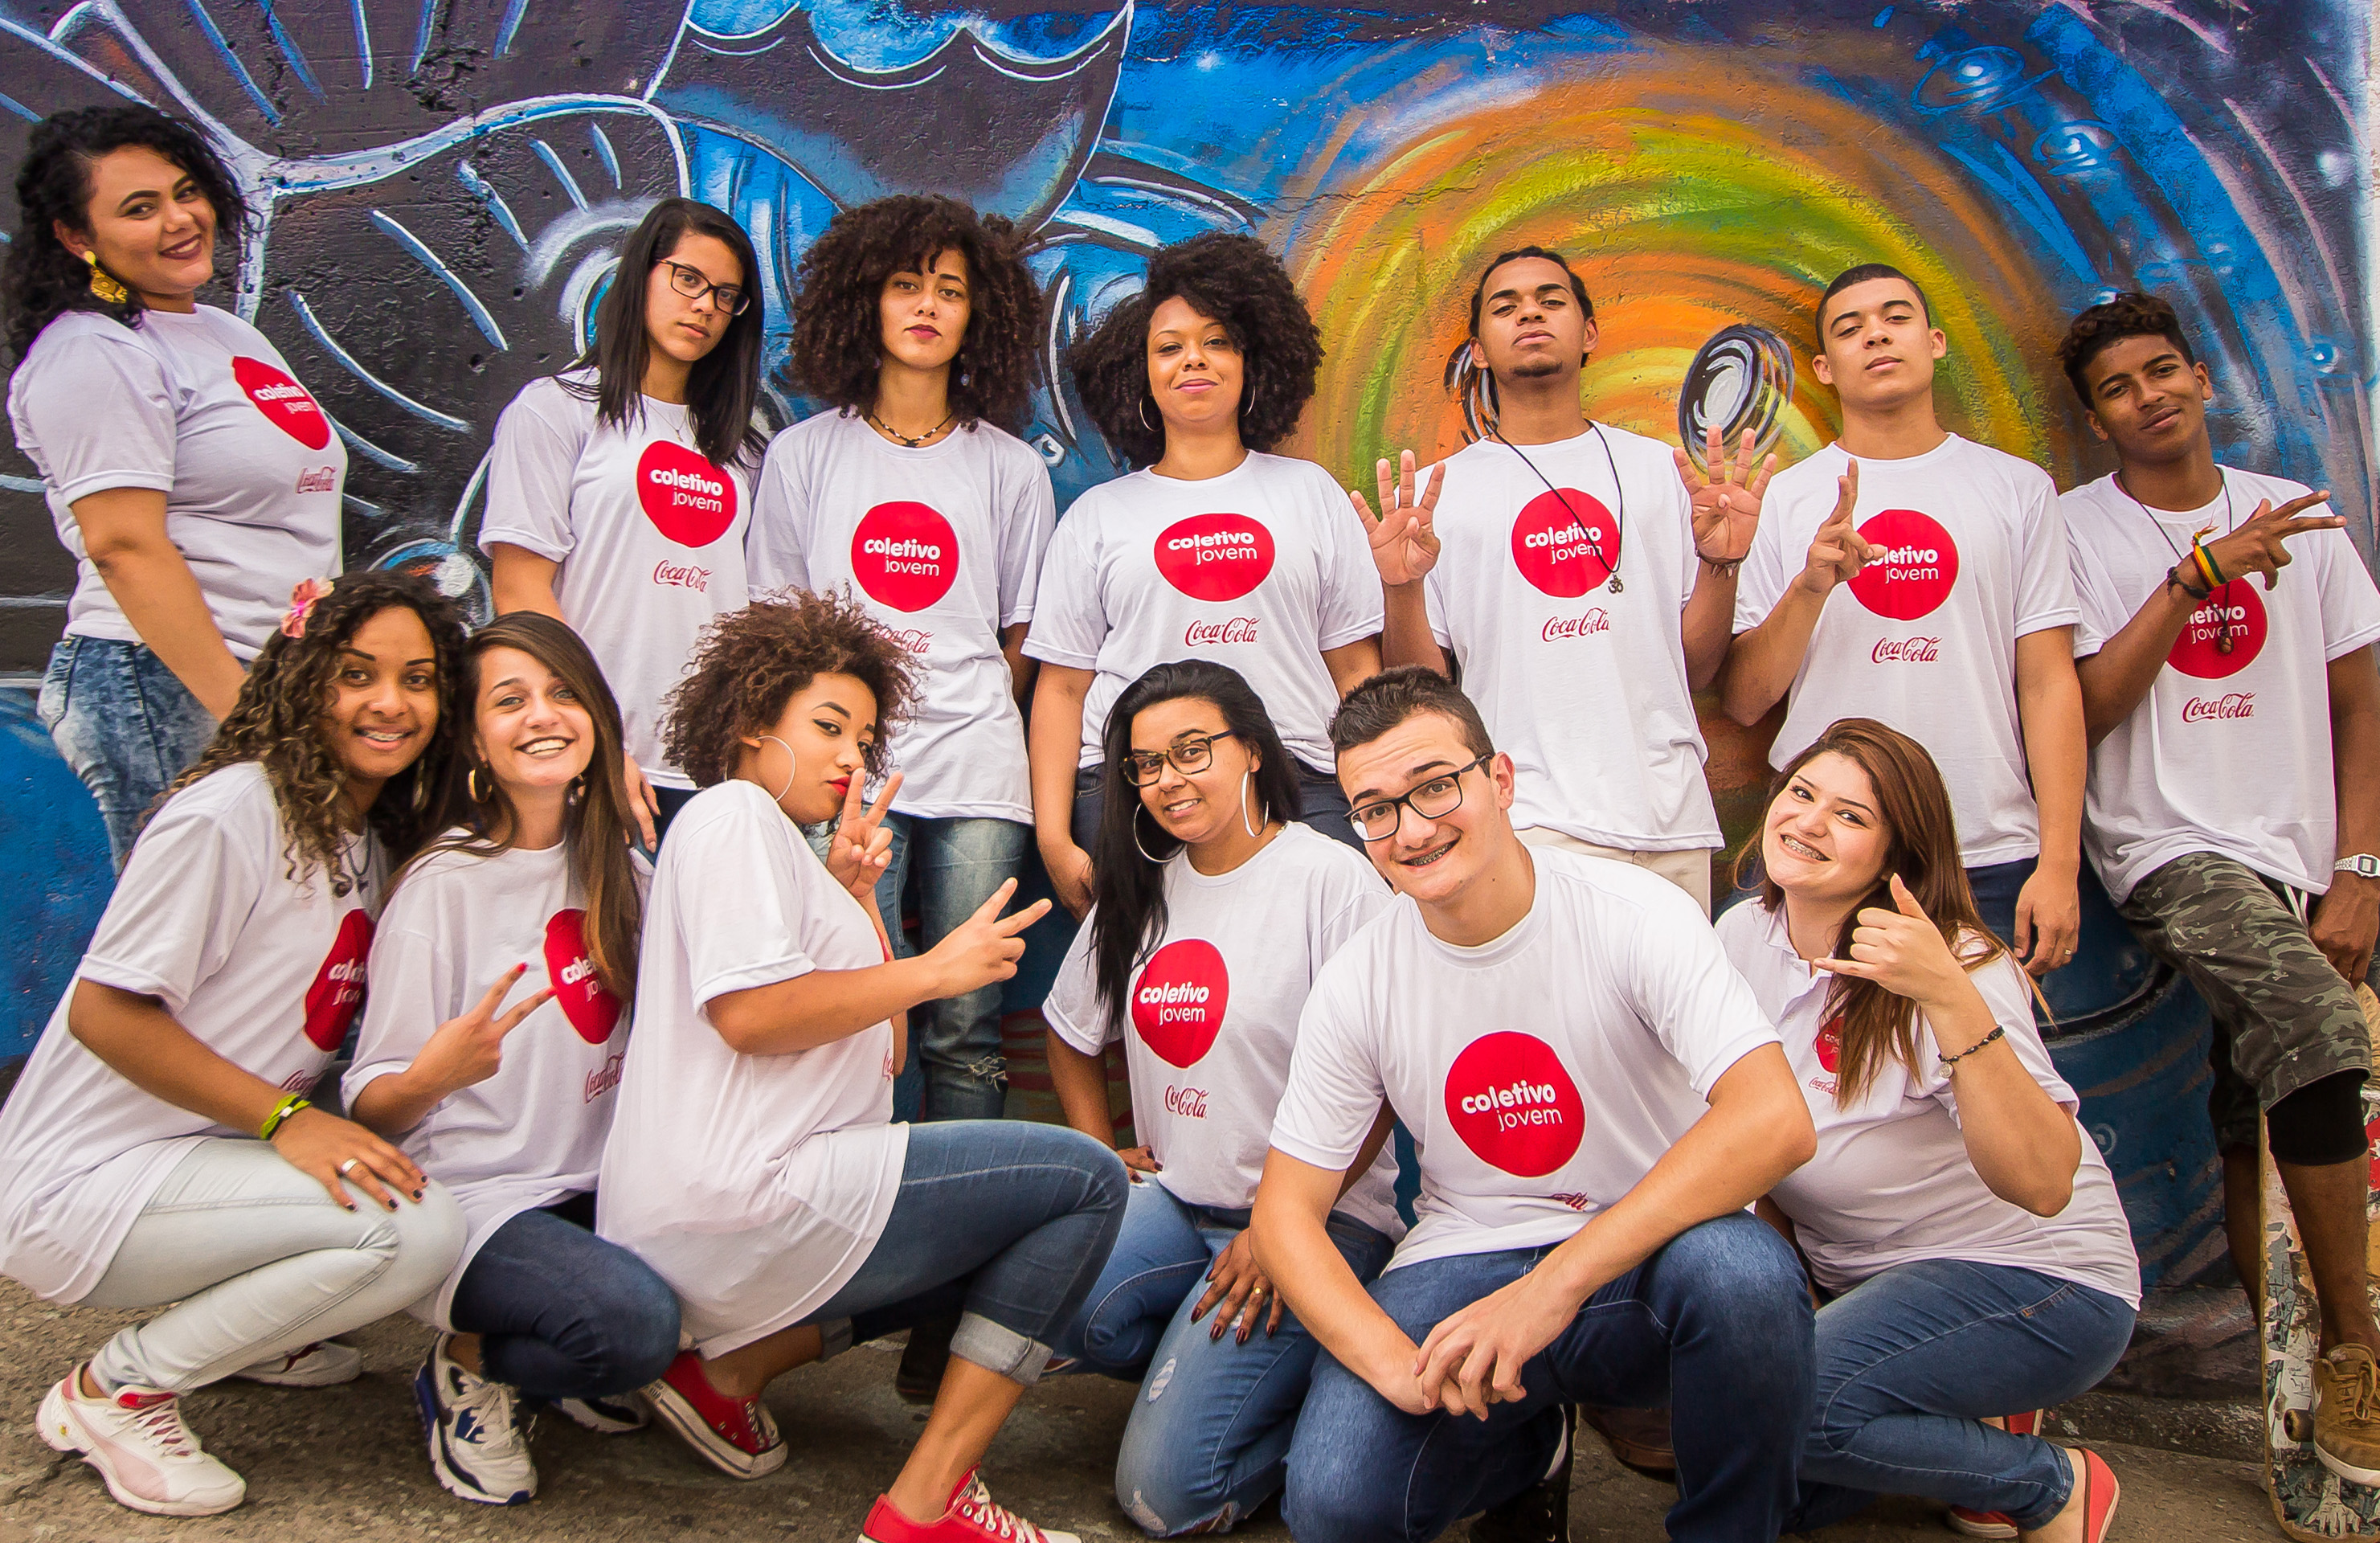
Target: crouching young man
[1595,1098]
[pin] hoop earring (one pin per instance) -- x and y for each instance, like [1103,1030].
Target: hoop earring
[1156,861]
[421,790]
[1249,397]
[793,768]
[471,785]
[1243,804]
[1144,417]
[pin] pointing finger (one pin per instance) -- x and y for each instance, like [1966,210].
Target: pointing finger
[990,910]
[892,786]
[1011,925]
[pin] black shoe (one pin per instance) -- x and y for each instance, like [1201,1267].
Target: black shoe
[924,1360]
[1539,1513]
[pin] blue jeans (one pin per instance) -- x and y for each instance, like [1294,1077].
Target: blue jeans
[125,724]
[1006,1219]
[1716,1324]
[956,1071]
[1995,886]
[1911,1359]
[1324,806]
[563,1313]
[1209,1437]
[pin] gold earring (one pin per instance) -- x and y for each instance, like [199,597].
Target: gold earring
[471,781]
[103,283]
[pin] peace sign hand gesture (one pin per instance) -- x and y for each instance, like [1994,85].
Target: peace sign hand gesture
[1902,950]
[2256,545]
[469,1050]
[861,847]
[985,946]
[1727,500]
[1838,552]
[1404,535]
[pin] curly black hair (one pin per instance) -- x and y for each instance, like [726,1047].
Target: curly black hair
[837,347]
[41,279]
[278,721]
[1226,278]
[2133,313]
[749,663]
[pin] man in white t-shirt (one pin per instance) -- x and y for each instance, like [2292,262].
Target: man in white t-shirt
[1588,590]
[1596,1099]
[2235,777]
[1909,575]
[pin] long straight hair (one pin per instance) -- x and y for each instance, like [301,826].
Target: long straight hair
[724,391]
[1922,846]
[1127,889]
[596,829]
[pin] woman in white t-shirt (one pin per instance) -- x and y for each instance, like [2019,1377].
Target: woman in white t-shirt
[1212,910]
[753,1159]
[1963,1227]
[917,325]
[191,477]
[619,491]
[1213,549]
[499,1087]
[159,1147]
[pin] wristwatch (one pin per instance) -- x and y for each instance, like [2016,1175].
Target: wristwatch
[2363,864]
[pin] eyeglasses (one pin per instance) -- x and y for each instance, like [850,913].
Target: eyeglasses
[690,282]
[1434,799]
[1190,753]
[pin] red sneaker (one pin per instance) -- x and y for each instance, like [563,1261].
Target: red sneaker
[1980,1523]
[736,1434]
[2100,1492]
[973,1517]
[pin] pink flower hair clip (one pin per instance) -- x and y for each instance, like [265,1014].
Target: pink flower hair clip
[302,600]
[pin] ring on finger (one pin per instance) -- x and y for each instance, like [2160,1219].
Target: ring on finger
[349,1166]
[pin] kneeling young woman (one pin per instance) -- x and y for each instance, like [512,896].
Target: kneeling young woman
[1211,911]
[535,897]
[1964,1228]
[159,1147]
[752,1160]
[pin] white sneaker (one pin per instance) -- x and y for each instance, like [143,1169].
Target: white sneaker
[309,1366]
[479,1439]
[140,1445]
[613,1415]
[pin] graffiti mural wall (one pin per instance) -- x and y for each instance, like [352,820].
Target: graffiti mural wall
[443,179]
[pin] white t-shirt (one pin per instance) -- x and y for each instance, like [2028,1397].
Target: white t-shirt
[1214,1013]
[202,409]
[264,971]
[532,1134]
[1541,1075]
[1262,569]
[943,543]
[1585,689]
[1975,558]
[2229,752]
[1891,1183]
[708,1147]
[648,534]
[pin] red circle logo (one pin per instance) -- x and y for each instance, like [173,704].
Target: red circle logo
[570,969]
[2236,610]
[338,987]
[1565,543]
[1215,556]
[1177,1004]
[1515,1106]
[1919,566]
[1829,1042]
[904,556]
[282,400]
[687,499]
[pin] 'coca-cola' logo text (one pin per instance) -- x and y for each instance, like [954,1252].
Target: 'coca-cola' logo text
[2235,609]
[338,987]
[682,576]
[589,1005]
[1214,557]
[603,1078]
[1906,650]
[284,401]
[1917,568]
[689,500]
[1513,1102]
[904,554]
[1239,629]
[1594,620]
[2232,704]
[1566,543]
[1190,1103]
[1178,1003]
[913,639]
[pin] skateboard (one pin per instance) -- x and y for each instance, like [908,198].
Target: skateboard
[2308,1500]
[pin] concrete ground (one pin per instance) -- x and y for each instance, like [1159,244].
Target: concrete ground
[347,1464]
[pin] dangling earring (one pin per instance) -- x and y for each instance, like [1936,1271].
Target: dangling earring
[471,785]
[103,283]
[577,790]
[1249,397]
[1144,417]
[420,791]
[793,768]
[1136,837]
[1244,803]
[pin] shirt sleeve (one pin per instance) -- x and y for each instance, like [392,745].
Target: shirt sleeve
[1075,1008]
[1675,497]
[409,995]
[1351,897]
[739,913]
[1069,623]
[177,913]
[2001,982]
[1353,606]
[1760,583]
[775,554]
[100,414]
[1028,514]
[2099,611]
[2350,606]
[1334,1089]
[1697,1004]
[2045,596]
[531,469]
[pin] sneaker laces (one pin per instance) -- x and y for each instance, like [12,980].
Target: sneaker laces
[976,1505]
[2359,1379]
[489,1401]
[160,1424]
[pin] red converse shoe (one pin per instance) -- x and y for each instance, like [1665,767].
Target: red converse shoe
[736,1434]
[971,1517]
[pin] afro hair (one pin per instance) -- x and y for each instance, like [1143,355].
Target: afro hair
[749,663]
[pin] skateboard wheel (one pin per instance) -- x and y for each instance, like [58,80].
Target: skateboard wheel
[2298,1425]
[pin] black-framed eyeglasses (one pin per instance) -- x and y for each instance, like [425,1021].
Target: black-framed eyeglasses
[1434,799]
[1190,753]
[693,285]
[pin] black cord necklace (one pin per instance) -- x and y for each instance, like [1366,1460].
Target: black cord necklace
[2221,597]
[1620,491]
[912,444]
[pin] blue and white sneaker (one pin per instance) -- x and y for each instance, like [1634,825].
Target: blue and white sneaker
[612,1415]
[479,1438]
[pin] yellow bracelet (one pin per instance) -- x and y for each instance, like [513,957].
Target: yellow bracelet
[2206,567]
[281,1112]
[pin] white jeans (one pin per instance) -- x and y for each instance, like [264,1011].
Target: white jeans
[259,1260]
[1689,869]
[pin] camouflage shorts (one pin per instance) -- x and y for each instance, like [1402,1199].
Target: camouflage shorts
[2284,1018]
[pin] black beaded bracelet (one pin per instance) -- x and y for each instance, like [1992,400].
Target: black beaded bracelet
[1950,1060]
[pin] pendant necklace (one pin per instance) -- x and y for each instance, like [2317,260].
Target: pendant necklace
[2222,597]
[912,444]
[1618,516]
